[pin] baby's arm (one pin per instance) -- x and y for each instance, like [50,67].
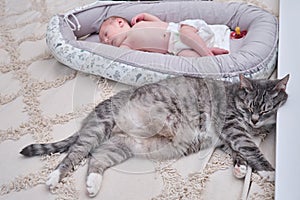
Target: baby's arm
[189,36]
[144,17]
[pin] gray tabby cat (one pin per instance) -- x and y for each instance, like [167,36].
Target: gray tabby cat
[170,119]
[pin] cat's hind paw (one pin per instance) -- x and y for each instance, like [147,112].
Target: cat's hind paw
[267,175]
[240,171]
[93,184]
[53,179]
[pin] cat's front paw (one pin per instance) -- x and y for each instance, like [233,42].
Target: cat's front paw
[240,171]
[93,184]
[267,175]
[53,179]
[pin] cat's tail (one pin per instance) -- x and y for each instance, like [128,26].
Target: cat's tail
[47,149]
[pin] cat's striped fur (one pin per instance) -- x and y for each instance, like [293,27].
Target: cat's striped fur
[170,119]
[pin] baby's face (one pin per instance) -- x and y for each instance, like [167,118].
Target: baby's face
[112,31]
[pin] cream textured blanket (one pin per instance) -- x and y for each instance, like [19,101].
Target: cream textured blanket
[42,100]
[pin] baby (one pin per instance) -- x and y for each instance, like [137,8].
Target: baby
[190,38]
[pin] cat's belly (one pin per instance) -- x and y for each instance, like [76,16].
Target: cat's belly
[155,147]
[164,148]
[140,121]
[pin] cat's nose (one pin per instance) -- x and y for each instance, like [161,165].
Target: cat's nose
[254,118]
[254,121]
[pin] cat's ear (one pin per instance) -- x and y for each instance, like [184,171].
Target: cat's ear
[281,85]
[245,83]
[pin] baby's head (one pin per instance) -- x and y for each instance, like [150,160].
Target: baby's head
[112,30]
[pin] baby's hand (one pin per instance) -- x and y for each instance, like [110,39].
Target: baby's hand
[137,18]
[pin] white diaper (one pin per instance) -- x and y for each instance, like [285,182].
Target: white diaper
[212,35]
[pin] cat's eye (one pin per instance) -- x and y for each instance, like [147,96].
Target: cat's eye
[263,112]
[266,108]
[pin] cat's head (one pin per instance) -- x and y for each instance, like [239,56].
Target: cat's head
[260,99]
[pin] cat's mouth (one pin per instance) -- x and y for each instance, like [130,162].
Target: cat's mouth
[256,125]
[265,121]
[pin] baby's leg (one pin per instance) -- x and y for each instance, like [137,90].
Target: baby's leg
[188,53]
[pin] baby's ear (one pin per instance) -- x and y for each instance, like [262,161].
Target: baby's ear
[120,21]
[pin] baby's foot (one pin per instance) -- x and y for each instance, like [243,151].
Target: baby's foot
[240,171]
[93,184]
[218,51]
[53,179]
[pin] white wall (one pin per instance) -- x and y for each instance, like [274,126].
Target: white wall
[288,122]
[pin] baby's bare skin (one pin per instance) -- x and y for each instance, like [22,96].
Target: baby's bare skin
[149,33]
[148,36]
